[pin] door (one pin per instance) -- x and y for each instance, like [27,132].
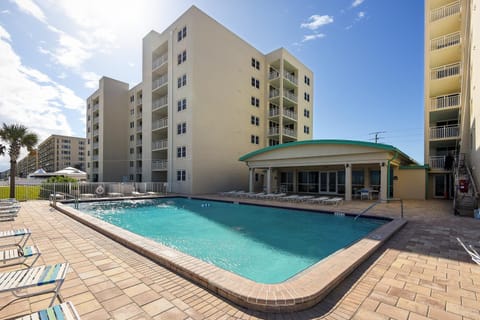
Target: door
[328,182]
[439,186]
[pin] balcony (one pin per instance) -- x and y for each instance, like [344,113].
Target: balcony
[290,114]
[274,131]
[138,170]
[139,143]
[159,82]
[95,107]
[274,112]
[159,164]
[446,71]
[290,77]
[445,41]
[445,132]
[160,61]
[160,144]
[95,158]
[139,129]
[290,96]
[442,102]
[273,74]
[139,114]
[445,11]
[274,93]
[95,145]
[160,103]
[138,156]
[160,124]
[445,78]
[289,132]
[96,132]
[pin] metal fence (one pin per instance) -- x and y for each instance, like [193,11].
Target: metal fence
[83,190]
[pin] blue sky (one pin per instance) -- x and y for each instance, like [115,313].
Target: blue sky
[366,55]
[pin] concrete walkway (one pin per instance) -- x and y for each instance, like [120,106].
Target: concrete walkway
[421,273]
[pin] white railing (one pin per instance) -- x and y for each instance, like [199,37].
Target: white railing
[445,101]
[290,96]
[139,142]
[139,156]
[139,128]
[139,114]
[159,164]
[159,82]
[289,132]
[445,41]
[95,107]
[139,102]
[290,77]
[95,170]
[445,11]
[446,71]
[438,162]
[95,132]
[95,158]
[159,144]
[159,61]
[290,114]
[160,124]
[273,112]
[274,93]
[161,102]
[96,120]
[273,131]
[442,132]
[138,170]
[95,145]
[274,74]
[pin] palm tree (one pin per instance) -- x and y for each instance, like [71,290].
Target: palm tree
[18,137]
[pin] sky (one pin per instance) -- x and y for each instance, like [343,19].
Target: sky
[366,56]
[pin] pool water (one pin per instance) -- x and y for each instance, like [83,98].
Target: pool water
[264,244]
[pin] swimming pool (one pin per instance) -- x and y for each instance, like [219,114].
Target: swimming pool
[263,244]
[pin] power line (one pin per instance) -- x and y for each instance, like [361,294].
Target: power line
[377,135]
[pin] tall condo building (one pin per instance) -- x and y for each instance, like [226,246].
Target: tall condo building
[452,95]
[206,98]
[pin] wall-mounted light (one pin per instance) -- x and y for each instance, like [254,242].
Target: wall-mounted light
[395,178]
[383,164]
[347,165]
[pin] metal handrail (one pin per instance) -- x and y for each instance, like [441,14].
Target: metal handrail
[381,201]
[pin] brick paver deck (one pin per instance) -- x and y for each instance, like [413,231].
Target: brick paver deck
[420,273]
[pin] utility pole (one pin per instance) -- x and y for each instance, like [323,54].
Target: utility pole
[377,135]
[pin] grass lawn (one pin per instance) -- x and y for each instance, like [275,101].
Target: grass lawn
[21,192]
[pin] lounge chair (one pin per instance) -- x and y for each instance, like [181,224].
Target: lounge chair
[16,256]
[318,200]
[293,197]
[471,251]
[334,200]
[303,198]
[19,280]
[24,234]
[273,196]
[65,311]
[8,216]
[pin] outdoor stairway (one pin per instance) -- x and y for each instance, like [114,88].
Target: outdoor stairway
[466,196]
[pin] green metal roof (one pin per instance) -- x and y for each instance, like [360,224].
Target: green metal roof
[324,142]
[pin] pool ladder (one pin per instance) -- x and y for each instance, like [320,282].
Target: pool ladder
[381,201]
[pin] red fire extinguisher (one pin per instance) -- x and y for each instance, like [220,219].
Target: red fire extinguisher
[463,186]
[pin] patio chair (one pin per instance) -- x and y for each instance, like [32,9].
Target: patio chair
[293,197]
[34,277]
[303,198]
[65,311]
[138,194]
[24,234]
[318,200]
[8,216]
[334,200]
[471,251]
[19,256]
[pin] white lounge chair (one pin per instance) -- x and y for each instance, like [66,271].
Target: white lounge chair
[17,255]
[293,197]
[318,200]
[8,216]
[303,198]
[138,194]
[334,200]
[24,234]
[17,281]
[65,311]
[471,251]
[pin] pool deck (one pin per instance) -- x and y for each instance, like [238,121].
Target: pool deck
[420,273]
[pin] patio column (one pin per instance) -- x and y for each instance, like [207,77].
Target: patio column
[251,179]
[295,181]
[383,181]
[348,181]
[269,180]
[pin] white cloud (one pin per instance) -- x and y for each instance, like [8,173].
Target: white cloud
[5,11]
[356,3]
[316,21]
[29,7]
[361,15]
[91,79]
[311,37]
[4,34]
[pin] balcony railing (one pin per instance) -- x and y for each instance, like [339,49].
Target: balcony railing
[273,74]
[96,120]
[139,114]
[448,40]
[157,83]
[139,128]
[290,114]
[138,170]
[159,61]
[95,107]
[290,96]
[159,164]
[158,103]
[289,132]
[438,162]
[139,102]
[445,11]
[445,101]
[139,142]
[273,131]
[96,132]
[273,112]
[139,156]
[443,132]
[95,158]
[274,93]
[290,77]
[159,144]
[95,145]
[160,123]
[446,71]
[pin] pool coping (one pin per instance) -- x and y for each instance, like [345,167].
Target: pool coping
[297,293]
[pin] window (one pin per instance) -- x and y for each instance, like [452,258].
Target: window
[132,137]
[255,83]
[306,113]
[255,120]
[255,102]
[182,34]
[181,175]
[132,151]
[182,81]
[181,104]
[272,142]
[306,96]
[182,57]
[132,112]
[132,98]
[307,80]
[132,164]
[181,152]
[255,63]
[254,139]
[306,129]
[132,124]
[182,128]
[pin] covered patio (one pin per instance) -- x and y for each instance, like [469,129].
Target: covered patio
[335,167]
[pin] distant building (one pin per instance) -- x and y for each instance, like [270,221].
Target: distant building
[207,97]
[28,164]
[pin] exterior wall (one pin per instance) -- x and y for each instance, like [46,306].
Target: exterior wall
[411,183]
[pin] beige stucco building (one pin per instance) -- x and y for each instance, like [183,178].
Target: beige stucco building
[206,98]
[336,167]
[451,95]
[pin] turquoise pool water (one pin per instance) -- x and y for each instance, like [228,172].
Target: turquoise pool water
[264,244]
